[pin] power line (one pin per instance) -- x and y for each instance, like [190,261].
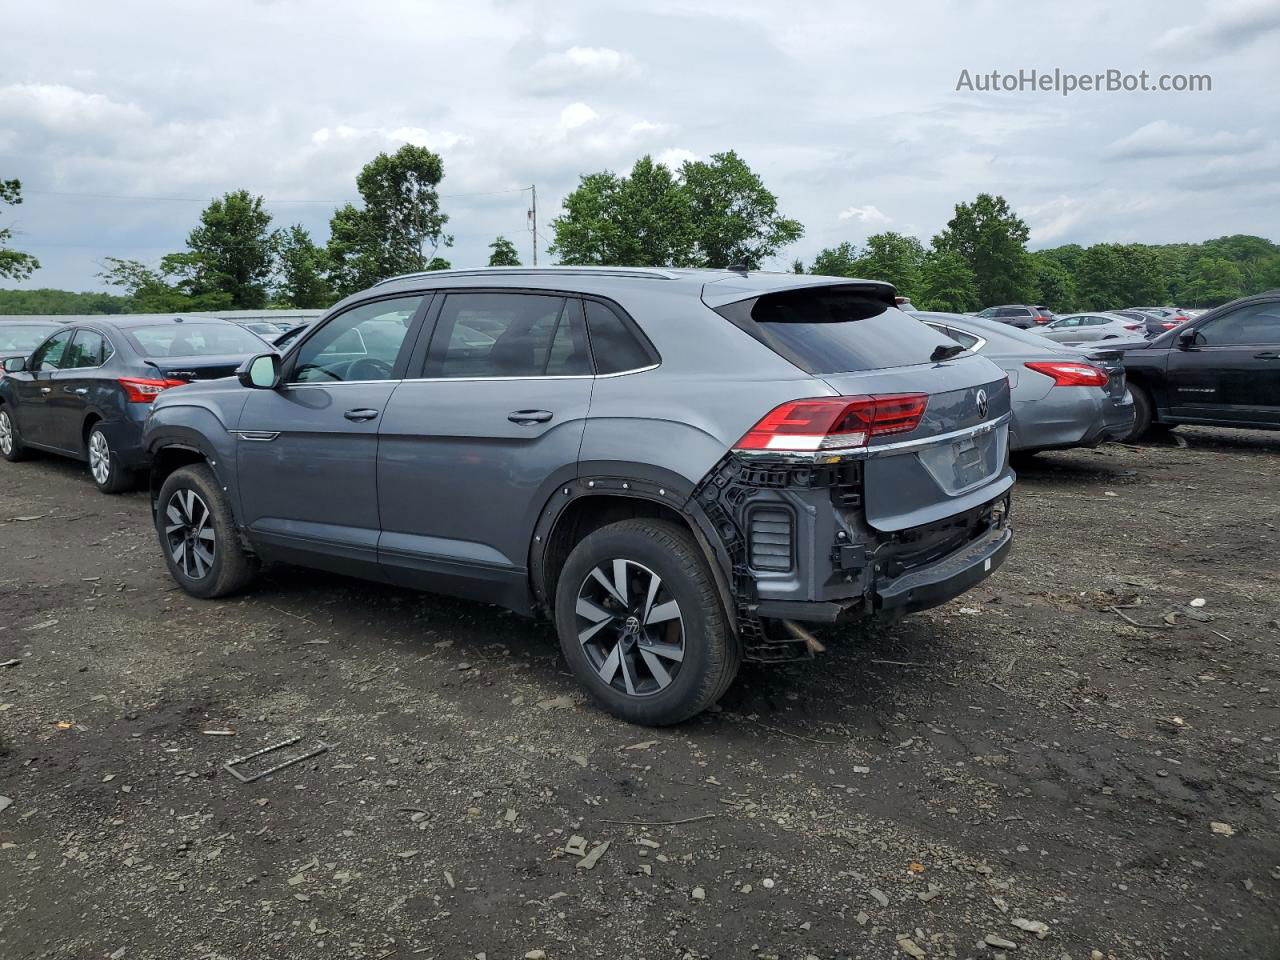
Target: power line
[158,198]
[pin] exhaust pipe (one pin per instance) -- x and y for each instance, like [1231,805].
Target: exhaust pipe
[800,633]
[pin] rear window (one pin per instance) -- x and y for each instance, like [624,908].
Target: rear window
[24,337]
[829,331]
[195,340]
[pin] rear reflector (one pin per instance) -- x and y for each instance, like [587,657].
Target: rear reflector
[834,423]
[140,390]
[1068,374]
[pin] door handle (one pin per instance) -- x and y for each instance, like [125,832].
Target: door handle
[527,418]
[361,414]
[1267,355]
[77,390]
[46,389]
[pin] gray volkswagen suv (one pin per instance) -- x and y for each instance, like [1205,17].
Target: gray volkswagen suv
[680,468]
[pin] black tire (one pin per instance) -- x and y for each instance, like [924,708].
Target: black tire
[231,567]
[710,657]
[1142,414]
[104,464]
[11,446]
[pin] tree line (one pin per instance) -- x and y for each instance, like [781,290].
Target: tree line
[705,213]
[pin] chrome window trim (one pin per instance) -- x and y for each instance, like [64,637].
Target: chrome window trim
[942,327]
[575,376]
[884,449]
[105,360]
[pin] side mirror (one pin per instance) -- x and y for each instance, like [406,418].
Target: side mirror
[261,372]
[15,365]
[1188,339]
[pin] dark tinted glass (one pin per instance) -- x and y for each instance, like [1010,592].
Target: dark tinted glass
[88,349]
[1257,324]
[49,356]
[614,347]
[834,332]
[508,335]
[195,340]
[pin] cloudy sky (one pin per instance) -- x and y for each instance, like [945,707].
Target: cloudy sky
[123,119]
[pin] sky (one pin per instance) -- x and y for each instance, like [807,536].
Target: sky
[122,120]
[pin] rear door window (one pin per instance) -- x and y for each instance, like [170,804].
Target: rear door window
[488,335]
[88,349]
[832,331]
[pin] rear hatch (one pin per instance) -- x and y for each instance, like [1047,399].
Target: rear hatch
[853,338]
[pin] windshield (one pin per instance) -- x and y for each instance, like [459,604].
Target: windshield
[25,337]
[195,340]
[836,331]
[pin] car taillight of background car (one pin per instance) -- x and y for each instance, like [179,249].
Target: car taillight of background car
[1068,374]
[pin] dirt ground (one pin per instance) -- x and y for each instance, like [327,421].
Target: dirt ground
[1022,762]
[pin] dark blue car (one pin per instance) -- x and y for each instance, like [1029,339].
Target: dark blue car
[85,391]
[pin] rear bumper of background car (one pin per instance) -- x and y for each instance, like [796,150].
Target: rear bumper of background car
[1071,417]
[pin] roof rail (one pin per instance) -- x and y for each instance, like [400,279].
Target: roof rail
[653,273]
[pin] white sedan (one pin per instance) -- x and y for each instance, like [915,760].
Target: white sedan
[1087,327]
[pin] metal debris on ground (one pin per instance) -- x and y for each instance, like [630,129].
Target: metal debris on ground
[231,765]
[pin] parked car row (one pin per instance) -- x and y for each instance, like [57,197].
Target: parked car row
[679,468]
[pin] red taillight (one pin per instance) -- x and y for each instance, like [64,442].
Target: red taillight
[139,390]
[1043,319]
[1134,326]
[834,423]
[1068,374]
[1170,324]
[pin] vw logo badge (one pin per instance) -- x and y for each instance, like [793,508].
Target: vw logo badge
[982,404]
[632,625]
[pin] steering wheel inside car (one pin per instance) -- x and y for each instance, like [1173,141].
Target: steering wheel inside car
[369,368]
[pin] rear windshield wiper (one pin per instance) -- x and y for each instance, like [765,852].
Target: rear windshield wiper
[943,352]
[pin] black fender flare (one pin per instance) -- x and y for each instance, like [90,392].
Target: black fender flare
[668,490]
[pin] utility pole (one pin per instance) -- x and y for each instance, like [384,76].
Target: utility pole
[533,221]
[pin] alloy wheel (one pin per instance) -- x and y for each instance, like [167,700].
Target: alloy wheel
[189,533]
[630,628]
[99,457]
[6,433]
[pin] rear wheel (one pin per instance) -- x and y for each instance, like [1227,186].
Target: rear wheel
[198,535]
[1142,413]
[641,623]
[108,475]
[11,447]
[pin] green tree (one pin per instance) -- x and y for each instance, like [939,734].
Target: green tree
[947,284]
[735,217]
[301,272]
[232,252]
[840,261]
[640,220]
[1114,275]
[992,240]
[504,253]
[50,302]
[893,257]
[147,290]
[1055,286]
[400,226]
[1216,280]
[438,263]
[13,263]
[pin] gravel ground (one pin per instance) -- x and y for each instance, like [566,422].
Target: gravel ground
[1072,758]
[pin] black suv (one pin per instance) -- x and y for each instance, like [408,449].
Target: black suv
[1221,369]
[1020,315]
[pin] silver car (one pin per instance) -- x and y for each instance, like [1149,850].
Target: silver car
[676,467]
[1062,396]
[1088,327]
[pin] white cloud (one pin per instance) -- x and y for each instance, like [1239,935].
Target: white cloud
[576,115]
[674,158]
[591,60]
[67,110]
[869,215]
[1160,138]
[418,136]
[1227,27]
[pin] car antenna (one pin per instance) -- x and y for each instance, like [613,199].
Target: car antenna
[737,268]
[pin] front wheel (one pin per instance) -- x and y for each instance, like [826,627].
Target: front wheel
[642,625]
[11,446]
[104,465]
[198,534]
